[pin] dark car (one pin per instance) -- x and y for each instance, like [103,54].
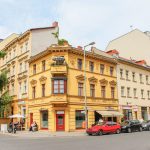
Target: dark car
[131,125]
[146,125]
[104,128]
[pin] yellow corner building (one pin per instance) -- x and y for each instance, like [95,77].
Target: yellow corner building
[56,88]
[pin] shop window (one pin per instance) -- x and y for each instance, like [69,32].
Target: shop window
[80,119]
[44,119]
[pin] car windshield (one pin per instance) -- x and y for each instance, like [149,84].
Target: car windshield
[101,123]
[125,123]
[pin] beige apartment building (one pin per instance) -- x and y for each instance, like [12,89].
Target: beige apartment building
[19,49]
[134,45]
[133,80]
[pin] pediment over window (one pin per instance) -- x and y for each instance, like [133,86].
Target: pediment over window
[103,81]
[33,81]
[42,78]
[113,82]
[92,79]
[80,77]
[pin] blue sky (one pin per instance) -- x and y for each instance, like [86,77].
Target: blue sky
[80,21]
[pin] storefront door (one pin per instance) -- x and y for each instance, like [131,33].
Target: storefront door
[31,118]
[60,121]
[44,119]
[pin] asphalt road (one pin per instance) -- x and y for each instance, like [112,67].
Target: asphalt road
[126,141]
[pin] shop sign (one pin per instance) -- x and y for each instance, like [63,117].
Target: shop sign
[126,107]
[135,108]
[60,112]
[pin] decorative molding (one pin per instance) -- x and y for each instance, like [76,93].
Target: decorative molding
[80,77]
[33,81]
[92,79]
[103,81]
[42,78]
[114,83]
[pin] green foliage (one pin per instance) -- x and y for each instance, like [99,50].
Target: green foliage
[2,54]
[5,104]
[3,80]
[56,34]
[62,41]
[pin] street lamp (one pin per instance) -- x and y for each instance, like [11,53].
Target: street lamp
[85,98]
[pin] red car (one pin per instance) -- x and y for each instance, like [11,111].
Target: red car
[104,128]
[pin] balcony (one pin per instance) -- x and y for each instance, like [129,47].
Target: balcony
[59,69]
[59,99]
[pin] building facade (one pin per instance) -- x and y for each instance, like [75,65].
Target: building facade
[18,52]
[56,89]
[134,44]
[133,78]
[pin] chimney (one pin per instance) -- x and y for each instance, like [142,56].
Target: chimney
[141,62]
[80,47]
[113,52]
[55,24]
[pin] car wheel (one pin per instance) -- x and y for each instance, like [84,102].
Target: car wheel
[129,130]
[89,134]
[140,129]
[118,131]
[100,133]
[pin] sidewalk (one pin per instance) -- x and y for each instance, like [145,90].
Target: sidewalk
[44,134]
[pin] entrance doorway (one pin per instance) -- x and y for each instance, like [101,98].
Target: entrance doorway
[31,118]
[60,121]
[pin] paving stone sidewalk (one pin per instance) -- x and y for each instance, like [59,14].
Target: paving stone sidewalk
[43,134]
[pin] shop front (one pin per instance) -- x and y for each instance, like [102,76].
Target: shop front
[127,112]
[144,113]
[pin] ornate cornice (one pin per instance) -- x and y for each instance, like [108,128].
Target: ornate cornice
[42,78]
[80,77]
[114,83]
[103,81]
[92,79]
[33,81]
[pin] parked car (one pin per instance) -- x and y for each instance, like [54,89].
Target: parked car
[104,128]
[131,125]
[146,125]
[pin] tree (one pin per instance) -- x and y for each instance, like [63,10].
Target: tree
[5,99]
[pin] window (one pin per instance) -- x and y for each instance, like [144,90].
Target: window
[13,70]
[133,76]
[25,66]
[128,92]
[20,90]
[33,92]
[14,53]
[111,71]
[92,90]
[25,86]
[142,93]
[122,91]
[112,92]
[80,118]
[80,89]
[134,92]
[59,86]
[141,80]
[147,82]
[91,65]
[102,68]
[121,73]
[20,67]
[34,69]
[43,65]
[80,64]
[148,94]
[127,75]
[13,89]
[21,49]
[43,90]
[26,46]
[103,91]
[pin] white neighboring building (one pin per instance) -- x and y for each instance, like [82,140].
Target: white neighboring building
[133,79]
[135,44]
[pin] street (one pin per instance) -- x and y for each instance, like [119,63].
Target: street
[123,141]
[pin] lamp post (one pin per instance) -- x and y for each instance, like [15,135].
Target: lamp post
[85,97]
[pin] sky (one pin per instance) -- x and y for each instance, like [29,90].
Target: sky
[80,21]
